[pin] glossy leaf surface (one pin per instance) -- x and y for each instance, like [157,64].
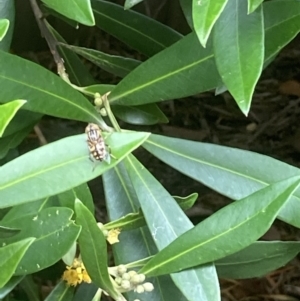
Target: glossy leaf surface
[239,50]
[8,111]
[136,30]
[9,286]
[154,81]
[31,177]
[10,256]
[225,232]
[8,232]
[236,173]
[167,224]
[81,10]
[130,3]
[93,249]
[205,14]
[54,233]
[45,92]
[187,8]
[258,259]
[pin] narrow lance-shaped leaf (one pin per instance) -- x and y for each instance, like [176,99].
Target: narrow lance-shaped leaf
[225,232]
[205,14]
[134,245]
[166,225]
[10,256]
[45,92]
[7,112]
[7,11]
[154,80]
[130,3]
[9,286]
[236,173]
[239,50]
[81,10]
[93,249]
[136,30]
[117,65]
[31,176]
[258,259]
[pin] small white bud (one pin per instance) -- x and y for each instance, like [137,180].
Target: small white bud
[142,277]
[139,289]
[125,284]
[148,286]
[118,280]
[135,279]
[132,273]
[125,276]
[103,112]
[121,269]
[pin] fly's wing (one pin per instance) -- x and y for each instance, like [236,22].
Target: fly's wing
[107,157]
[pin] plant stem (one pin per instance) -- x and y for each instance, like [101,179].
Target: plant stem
[110,113]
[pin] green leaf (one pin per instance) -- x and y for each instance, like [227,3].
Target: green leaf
[232,172]
[238,40]
[253,5]
[81,192]
[187,8]
[9,286]
[44,91]
[78,10]
[136,244]
[4,25]
[101,89]
[136,220]
[166,225]
[31,288]
[61,292]
[76,70]
[147,114]
[258,259]
[130,3]
[114,64]
[7,11]
[8,111]
[154,80]
[93,249]
[282,24]
[205,14]
[136,30]
[10,256]
[59,166]
[225,232]
[8,232]
[85,291]
[54,233]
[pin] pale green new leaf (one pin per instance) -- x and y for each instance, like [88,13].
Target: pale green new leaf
[253,5]
[93,249]
[45,92]
[258,259]
[166,222]
[10,256]
[205,14]
[61,292]
[7,112]
[136,30]
[4,25]
[78,10]
[235,173]
[225,232]
[7,11]
[54,231]
[239,50]
[155,81]
[130,3]
[59,166]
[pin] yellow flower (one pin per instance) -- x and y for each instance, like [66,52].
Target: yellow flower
[76,273]
[112,236]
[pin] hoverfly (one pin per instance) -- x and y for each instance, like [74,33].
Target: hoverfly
[98,149]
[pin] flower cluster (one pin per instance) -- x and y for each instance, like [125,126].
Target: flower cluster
[131,280]
[76,273]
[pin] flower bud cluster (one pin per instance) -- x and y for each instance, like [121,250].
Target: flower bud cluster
[131,280]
